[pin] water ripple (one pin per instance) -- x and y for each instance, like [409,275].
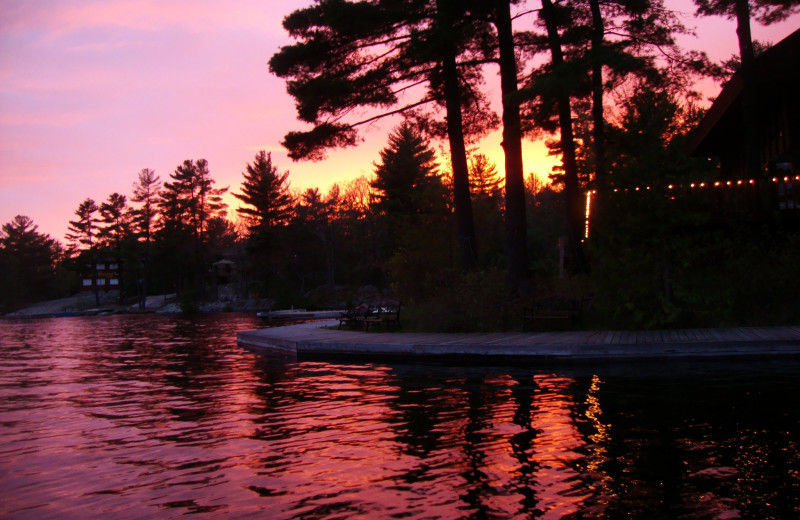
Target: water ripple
[160,417]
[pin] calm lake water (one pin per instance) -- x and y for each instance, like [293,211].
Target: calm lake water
[163,417]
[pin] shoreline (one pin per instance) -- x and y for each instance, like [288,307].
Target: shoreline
[318,341]
[83,304]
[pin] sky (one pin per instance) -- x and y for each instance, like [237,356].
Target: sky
[93,91]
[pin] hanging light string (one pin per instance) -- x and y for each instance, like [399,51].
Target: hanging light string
[709,184]
[677,187]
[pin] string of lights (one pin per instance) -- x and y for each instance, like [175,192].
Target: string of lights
[714,184]
[786,180]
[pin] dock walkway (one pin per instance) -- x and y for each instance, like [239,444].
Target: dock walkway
[321,339]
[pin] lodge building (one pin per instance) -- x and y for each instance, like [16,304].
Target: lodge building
[721,132]
[775,193]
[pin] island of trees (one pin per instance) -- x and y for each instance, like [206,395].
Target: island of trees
[462,245]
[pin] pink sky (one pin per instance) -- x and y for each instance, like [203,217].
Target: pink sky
[91,92]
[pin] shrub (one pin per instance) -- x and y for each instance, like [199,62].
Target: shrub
[468,302]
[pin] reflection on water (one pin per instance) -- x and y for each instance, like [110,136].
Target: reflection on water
[159,417]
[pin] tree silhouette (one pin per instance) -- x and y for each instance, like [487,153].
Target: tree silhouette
[116,224]
[486,185]
[267,210]
[189,202]
[115,230]
[28,261]
[596,46]
[484,180]
[82,234]
[312,236]
[146,191]
[265,193]
[405,175]
[551,14]
[414,246]
[515,218]
[355,55]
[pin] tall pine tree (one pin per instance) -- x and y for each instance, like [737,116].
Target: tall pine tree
[377,55]
[266,211]
[28,261]
[265,193]
[189,202]
[82,235]
[146,191]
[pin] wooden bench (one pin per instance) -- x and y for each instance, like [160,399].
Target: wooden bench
[554,309]
[355,316]
[388,312]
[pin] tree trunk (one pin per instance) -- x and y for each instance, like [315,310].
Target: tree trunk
[572,196]
[455,133]
[143,283]
[598,122]
[516,225]
[95,290]
[750,109]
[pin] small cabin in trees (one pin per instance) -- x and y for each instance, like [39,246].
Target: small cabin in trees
[105,276]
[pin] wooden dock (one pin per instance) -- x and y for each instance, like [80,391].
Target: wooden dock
[321,339]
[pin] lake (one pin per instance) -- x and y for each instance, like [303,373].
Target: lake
[163,417]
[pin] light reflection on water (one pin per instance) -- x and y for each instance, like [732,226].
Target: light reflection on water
[159,417]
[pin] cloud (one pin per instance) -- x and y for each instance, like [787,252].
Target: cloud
[53,19]
[92,91]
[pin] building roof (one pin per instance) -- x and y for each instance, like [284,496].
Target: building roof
[778,65]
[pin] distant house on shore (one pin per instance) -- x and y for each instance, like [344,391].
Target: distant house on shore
[105,276]
[721,132]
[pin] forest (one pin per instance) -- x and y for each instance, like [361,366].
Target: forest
[463,245]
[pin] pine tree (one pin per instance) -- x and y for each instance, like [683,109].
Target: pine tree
[188,203]
[265,193]
[115,230]
[595,46]
[28,261]
[145,193]
[116,224]
[405,175]
[408,197]
[354,55]
[190,200]
[515,215]
[82,234]
[267,211]
[484,180]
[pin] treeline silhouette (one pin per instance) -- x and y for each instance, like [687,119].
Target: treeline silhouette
[463,248]
[167,236]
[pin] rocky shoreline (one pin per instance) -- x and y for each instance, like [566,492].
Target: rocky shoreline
[227,300]
[84,304]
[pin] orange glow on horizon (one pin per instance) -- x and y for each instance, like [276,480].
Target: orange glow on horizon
[342,166]
[94,93]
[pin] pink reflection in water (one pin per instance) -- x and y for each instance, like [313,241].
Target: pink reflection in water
[159,417]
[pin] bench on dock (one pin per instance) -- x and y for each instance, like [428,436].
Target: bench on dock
[355,316]
[388,312]
[554,309]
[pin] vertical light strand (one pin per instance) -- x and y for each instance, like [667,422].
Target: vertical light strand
[588,213]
